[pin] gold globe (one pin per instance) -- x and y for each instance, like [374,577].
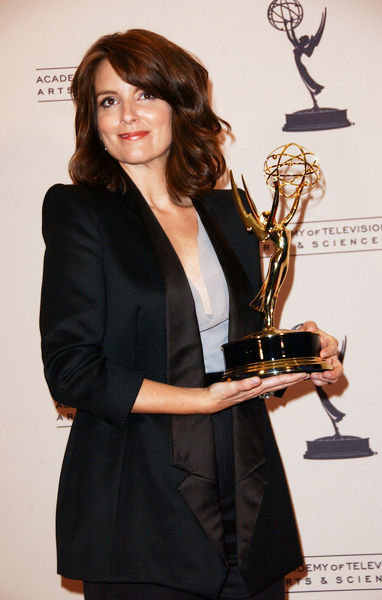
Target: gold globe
[293,168]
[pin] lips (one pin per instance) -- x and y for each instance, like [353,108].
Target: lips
[133,135]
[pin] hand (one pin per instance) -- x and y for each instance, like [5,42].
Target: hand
[329,351]
[228,393]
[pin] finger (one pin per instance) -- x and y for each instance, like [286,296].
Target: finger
[231,389]
[337,369]
[279,382]
[320,379]
[248,383]
[309,326]
[328,376]
[283,379]
[329,345]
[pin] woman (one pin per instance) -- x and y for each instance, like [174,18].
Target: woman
[172,485]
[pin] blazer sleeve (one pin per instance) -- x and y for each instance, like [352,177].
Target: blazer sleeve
[73,312]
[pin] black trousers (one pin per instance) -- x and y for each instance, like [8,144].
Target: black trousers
[144,591]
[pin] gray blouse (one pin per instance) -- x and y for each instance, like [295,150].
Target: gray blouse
[213,325]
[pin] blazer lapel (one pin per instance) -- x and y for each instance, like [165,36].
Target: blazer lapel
[247,417]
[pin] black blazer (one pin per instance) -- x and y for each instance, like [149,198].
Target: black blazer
[138,497]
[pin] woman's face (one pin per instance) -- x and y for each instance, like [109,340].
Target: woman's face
[134,126]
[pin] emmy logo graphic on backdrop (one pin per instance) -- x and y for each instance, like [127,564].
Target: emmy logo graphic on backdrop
[291,171]
[287,15]
[337,445]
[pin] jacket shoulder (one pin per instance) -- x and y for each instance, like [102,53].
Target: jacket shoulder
[221,206]
[219,198]
[221,202]
[81,202]
[61,193]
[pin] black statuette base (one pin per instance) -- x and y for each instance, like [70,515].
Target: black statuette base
[316,119]
[338,446]
[265,354]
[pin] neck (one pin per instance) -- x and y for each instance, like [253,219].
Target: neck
[151,182]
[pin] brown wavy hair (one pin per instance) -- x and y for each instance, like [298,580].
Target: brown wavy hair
[159,67]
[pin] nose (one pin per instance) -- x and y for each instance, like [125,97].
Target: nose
[129,112]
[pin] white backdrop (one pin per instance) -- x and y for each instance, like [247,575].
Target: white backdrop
[335,280]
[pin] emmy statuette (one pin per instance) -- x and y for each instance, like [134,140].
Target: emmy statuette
[287,15]
[291,171]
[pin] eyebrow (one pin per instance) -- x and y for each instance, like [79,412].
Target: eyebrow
[106,92]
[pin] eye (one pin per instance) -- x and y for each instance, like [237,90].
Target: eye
[146,96]
[108,101]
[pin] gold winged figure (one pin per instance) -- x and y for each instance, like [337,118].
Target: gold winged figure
[265,227]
